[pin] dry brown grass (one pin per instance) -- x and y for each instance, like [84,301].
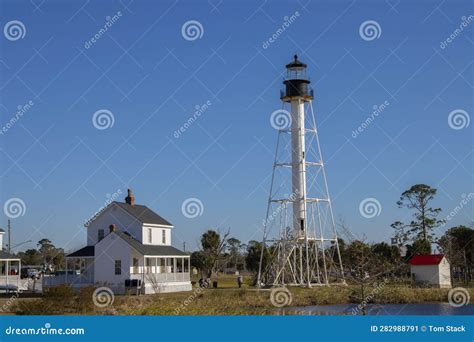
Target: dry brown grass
[226,300]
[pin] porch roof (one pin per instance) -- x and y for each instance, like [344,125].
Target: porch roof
[7,256]
[84,252]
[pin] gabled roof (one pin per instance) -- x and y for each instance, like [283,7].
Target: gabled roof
[429,259]
[150,249]
[87,251]
[143,213]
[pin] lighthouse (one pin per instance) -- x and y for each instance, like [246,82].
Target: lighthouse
[300,245]
[297,93]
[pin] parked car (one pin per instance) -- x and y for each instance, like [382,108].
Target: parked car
[33,273]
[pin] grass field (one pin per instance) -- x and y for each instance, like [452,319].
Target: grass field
[225,300]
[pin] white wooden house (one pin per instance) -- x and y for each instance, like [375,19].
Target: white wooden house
[128,248]
[432,269]
[10,267]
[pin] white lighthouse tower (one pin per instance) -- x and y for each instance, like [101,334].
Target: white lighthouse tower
[300,245]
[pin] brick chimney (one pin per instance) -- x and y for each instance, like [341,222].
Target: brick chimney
[130,199]
[112,228]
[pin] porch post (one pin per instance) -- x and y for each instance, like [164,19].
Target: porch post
[18,275]
[7,268]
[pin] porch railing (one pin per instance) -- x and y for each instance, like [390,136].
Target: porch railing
[10,282]
[72,279]
[162,277]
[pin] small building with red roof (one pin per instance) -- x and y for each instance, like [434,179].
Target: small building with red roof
[431,269]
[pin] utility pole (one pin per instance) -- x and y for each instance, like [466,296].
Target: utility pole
[9,237]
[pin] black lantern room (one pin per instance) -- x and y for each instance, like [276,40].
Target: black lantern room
[296,82]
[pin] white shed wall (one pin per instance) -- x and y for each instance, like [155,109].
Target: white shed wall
[444,273]
[425,273]
[438,275]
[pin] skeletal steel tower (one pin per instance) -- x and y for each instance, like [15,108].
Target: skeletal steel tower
[300,245]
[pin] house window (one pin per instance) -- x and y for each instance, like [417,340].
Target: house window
[100,234]
[149,235]
[118,267]
[163,236]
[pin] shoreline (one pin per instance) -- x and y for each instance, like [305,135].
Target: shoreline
[222,301]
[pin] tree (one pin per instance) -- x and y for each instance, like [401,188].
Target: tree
[458,246]
[198,261]
[424,221]
[46,249]
[252,259]
[233,247]
[52,257]
[212,248]
[419,247]
[366,268]
[59,258]
[30,257]
[389,255]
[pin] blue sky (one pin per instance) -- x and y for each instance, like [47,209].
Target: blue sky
[151,79]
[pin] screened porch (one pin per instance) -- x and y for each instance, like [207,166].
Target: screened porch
[161,269]
[9,274]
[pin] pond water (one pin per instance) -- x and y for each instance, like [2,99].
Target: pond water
[380,309]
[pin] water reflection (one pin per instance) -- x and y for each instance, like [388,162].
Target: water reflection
[378,309]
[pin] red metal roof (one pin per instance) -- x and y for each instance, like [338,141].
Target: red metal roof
[430,259]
